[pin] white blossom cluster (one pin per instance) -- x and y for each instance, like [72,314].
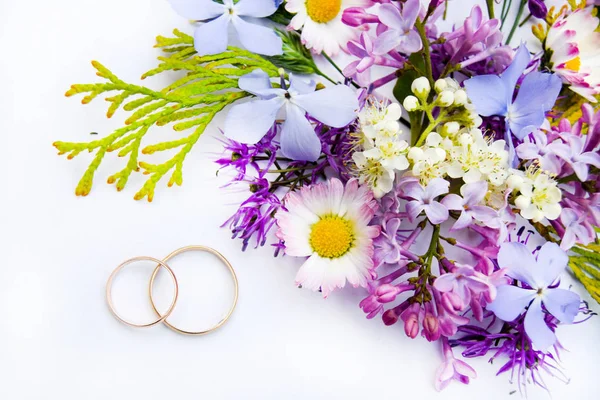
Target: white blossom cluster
[382,151]
[455,150]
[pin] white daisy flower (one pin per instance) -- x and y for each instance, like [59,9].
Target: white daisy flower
[329,224]
[321,23]
[572,42]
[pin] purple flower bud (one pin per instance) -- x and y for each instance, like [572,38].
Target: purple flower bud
[357,16]
[410,316]
[538,8]
[431,327]
[387,293]
[452,302]
[390,317]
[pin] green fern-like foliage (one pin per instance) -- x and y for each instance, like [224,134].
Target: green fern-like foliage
[190,103]
[585,264]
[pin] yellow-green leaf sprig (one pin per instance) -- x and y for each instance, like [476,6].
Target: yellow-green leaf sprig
[191,102]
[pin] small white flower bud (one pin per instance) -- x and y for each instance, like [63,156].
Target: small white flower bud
[446,98]
[460,97]
[522,202]
[421,87]
[440,85]
[452,128]
[514,181]
[411,103]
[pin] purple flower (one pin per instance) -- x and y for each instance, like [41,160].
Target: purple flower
[478,40]
[386,293]
[535,147]
[423,199]
[538,8]
[248,122]
[367,58]
[400,34]
[577,230]
[357,16]
[493,95]
[538,277]
[464,281]
[574,154]
[452,369]
[211,37]
[470,205]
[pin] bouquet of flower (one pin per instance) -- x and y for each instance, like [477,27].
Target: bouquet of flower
[457,204]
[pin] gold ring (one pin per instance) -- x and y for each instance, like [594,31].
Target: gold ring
[184,250]
[161,264]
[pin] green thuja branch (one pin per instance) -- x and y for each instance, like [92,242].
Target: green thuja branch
[209,85]
[585,264]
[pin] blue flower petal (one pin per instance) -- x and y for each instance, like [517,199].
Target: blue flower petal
[258,83]
[488,95]
[298,138]
[256,38]
[301,87]
[197,9]
[211,37]
[513,72]
[536,328]
[249,122]
[334,106]
[551,262]
[255,8]
[539,88]
[563,304]
[518,261]
[510,302]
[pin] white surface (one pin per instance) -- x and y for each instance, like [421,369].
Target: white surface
[57,338]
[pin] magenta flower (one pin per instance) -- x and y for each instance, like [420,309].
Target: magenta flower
[452,369]
[400,34]
[538,278]
[423,199]
[470,205]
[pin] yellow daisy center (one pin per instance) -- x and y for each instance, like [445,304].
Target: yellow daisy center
[323,11]
[574,64]
[331,237]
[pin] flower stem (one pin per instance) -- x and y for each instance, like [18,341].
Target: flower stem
[318,72]
[504,13]
[490,7]
[433,123]
[517,20]
[338,69]
[426,50]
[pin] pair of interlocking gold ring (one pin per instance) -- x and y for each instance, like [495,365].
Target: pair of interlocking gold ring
[163,264]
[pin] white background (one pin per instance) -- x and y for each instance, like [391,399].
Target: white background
[57,338]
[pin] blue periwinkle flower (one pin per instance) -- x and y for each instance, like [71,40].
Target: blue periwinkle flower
[248,122]
[212,36]
[493,95]
[539,278]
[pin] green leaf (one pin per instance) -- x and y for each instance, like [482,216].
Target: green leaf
[585,264]
[406,76]
[281,16]
[295,58]
[210,84]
